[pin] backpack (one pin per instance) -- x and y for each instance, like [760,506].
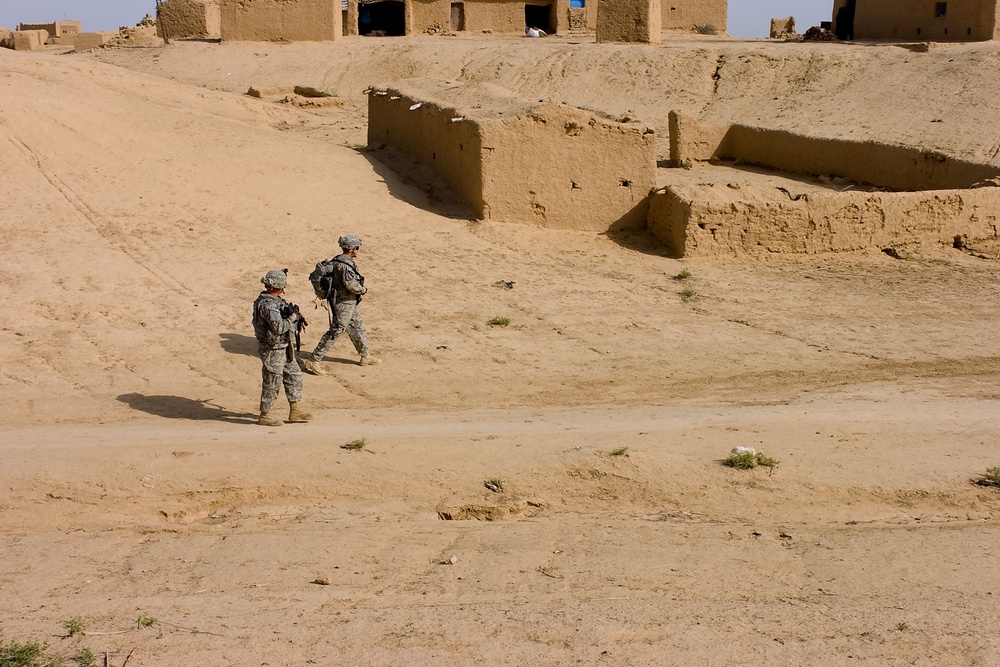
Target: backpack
[321,279]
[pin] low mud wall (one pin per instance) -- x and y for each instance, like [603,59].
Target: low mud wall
[882,165]
[27,40]
[692,140]
[451,148]
[90,40]
[513,160]
[710,219]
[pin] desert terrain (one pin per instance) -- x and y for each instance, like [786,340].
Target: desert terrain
[143,195]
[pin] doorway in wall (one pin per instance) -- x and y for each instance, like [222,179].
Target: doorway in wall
[386,18]
[844,28]
[457,16]
[539,16]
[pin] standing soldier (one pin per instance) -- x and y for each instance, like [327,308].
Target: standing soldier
[339,282]
[275,326]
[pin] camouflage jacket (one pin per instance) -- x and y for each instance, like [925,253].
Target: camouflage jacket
[348,284]
[272,330]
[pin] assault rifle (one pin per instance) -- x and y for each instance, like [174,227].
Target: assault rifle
[299,324]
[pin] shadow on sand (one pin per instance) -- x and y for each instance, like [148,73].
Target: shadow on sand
[178,407]
[416,184]
[238,344]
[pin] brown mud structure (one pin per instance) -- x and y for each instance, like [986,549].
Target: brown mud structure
[512,160]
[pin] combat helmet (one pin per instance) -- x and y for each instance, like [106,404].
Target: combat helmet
[349,242]
[275,279]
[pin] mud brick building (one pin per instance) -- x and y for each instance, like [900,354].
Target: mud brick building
[513,159]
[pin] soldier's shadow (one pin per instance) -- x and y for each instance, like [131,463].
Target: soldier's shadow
[238,344]
[178,407]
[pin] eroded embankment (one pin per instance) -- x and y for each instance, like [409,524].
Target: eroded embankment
[856,91]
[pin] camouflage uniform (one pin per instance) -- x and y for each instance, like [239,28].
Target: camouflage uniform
[343,301]
[274,334]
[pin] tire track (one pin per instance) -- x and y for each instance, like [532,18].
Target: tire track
[106,229]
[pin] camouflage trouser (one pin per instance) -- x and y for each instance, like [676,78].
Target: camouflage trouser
[275,371]
[347,318]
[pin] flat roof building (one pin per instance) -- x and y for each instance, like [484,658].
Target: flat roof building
[917,20]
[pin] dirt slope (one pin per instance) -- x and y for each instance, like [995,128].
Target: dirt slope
[140,202]
[940,98]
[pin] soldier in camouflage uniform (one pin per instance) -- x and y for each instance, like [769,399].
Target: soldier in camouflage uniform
[275,333]
[347,286]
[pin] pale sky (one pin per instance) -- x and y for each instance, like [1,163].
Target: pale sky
[747,18]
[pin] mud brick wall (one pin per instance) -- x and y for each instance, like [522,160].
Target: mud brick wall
[280,20]
[189,18]
[686,14]
[89,40]
[712,219]
[909,20]
[513,160]
[498,16]
[28,40]
[629,21]
[884,165]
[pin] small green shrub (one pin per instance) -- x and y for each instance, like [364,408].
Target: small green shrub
[28,654]
[621,451]
[354,445]
[990,478]
[688,294]
[74,626]
[706,28]
[741,461]
[86,657]
[499,321]
[749,460]
[766,461]
[683,275]
[902,627]
[494,484]
[144,621]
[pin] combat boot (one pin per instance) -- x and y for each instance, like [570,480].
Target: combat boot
[369,360]
[310,366]
[267,419]
[295,414]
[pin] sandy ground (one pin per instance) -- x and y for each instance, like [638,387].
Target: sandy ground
[141,198]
